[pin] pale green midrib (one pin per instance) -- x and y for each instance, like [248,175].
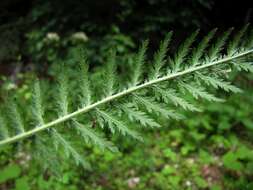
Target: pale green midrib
[118,95]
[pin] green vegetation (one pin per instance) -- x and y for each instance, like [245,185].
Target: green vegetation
[83,106]
[144,102]
[213,151]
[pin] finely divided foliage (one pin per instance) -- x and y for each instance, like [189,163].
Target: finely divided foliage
[161,94]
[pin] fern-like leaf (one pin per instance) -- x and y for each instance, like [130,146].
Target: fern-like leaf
[154,107]
[183,50]
[138,63]
[46,155]
[233,45]
[14,117]
[37,108]
[159,57]
[113,123]
[4,134]
[199,92]
[90,135]
[156,94]
[244,66]
[69,149]
[219,83]
[218,45]
[84,83]
[62,98]
[199,51]
[170,96]
[136,115]
[110,73]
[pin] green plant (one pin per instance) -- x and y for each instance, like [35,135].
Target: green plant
[141,99]
[152,162]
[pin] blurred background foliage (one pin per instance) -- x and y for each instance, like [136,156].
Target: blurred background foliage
[209,150]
